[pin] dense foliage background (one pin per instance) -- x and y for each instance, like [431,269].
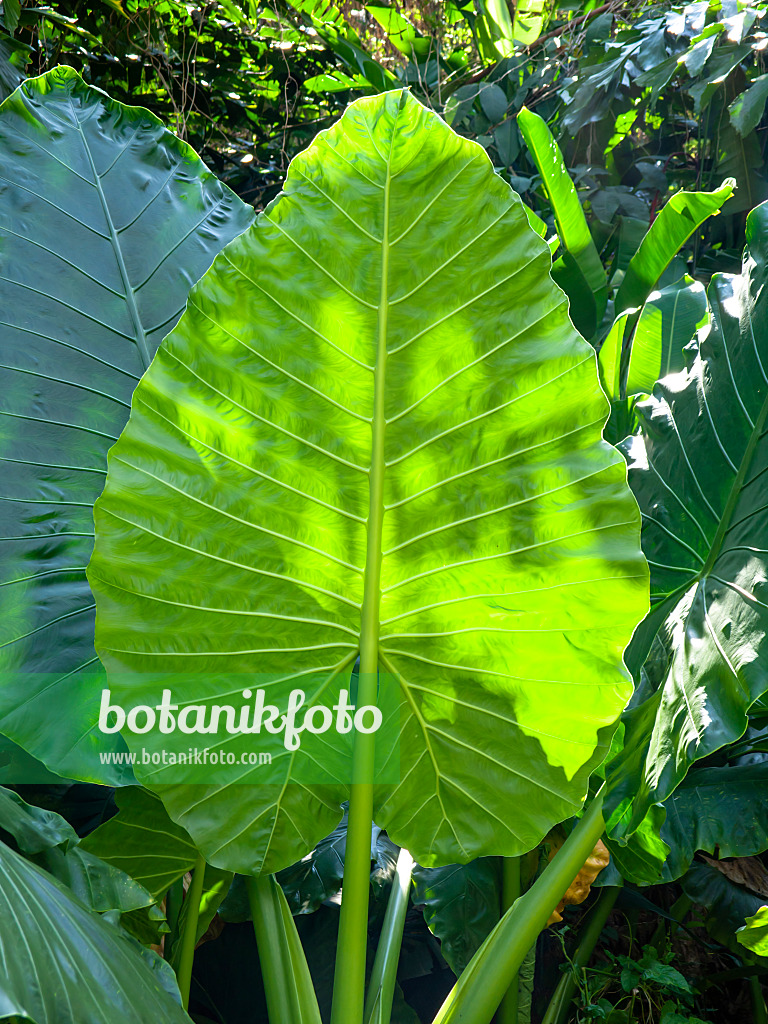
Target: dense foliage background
[643,99]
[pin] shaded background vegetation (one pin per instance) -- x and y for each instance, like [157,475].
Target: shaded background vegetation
[643,99]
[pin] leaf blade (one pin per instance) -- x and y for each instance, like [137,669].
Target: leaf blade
[448,561]
[125,218]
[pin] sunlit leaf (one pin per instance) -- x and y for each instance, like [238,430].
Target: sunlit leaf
[233,536]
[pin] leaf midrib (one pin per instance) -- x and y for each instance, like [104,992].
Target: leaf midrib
[130,298]
[370,613]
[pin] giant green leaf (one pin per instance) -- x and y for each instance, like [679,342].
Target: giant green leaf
[698,470]
[378,387]
[62,964]
[579,271]
[106,220]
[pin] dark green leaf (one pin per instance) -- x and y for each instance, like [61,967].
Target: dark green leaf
[494,102]
[747,109]
[717,809]
[741,158]
[63,964]
[461,905]
[727,904]
[11,13]
[698,472]
[106,221]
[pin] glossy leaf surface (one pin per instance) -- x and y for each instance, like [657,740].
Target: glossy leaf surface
[63,964]
[609,359]
[728,903]
[356,334]
[698,470]
[45,838]
[676,222]
[580,271]
[106,220]
[143,841]
[717,810]
[666,325]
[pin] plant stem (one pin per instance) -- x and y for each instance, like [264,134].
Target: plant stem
[288,985]
[189,931]
[381,988]
[477,994]
[173,901]
[349,976]
[759,1012]
[678,910]
[560,1003]
[510,890]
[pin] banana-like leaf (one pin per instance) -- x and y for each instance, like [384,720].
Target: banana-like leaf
[239,524]
[667,323]
[494,30]
[682,215]
[63,964]
[142,841]
[609,359]
[106,220]
[698,471]
[579,272]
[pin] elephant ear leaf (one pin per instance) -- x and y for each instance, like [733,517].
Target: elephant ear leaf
[92,971]
[106,220]
[377,390]
[698,469]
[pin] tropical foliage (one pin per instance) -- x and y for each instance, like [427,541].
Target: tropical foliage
[419,427]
